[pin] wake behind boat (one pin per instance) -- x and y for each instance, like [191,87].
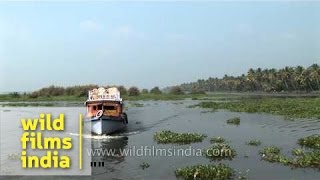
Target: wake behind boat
[105,111]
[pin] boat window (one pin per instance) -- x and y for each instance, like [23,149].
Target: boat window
[100,107]
[109,107]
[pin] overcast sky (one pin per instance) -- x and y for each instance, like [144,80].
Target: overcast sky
[150,44]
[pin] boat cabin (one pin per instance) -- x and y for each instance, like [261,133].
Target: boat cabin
[105,102]
[108,108]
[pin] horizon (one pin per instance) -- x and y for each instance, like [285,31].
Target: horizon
[150,44]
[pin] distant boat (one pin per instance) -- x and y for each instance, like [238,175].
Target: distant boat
[105,113]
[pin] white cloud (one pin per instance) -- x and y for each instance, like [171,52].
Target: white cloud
[89,25]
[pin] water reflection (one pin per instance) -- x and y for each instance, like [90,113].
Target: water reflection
[111,150]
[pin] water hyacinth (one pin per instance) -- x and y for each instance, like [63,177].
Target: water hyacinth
[303,159]
[206,172]
[273,154]
[297,152]
[144,165]
[290,107]
[220,151]
[217,139]
[312,141]
[235,121]
[167,136]
[270,150]
[308,159]
[254,142]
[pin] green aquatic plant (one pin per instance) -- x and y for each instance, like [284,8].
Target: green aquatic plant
[235,121]
[297,152]
[135,104]
[144,165]
[206,172]
[289,107]
[167,136]
[217,139]
[308,159]
[270,150]
[273,154]
[254,142]
[220,151]
[302,159]
[312,141]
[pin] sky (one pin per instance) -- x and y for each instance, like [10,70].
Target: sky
[149,44]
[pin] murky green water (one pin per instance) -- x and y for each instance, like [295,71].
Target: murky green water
[164,115]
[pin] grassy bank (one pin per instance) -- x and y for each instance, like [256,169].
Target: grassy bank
[290,107]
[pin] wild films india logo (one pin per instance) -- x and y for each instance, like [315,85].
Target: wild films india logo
[47,144]
[33,137]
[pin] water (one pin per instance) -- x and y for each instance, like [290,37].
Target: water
[166,115]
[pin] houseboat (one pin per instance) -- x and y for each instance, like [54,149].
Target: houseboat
[105,113]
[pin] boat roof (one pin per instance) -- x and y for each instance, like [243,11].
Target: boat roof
[104,95]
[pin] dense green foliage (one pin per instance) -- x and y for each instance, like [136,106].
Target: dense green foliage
[206,172]
[155,90]
[267,80]
[297,152]
[273,154]
[176,90]
[144,91]
[312,141]
[290,107]
[302,159]
[235,121]
[166,136]
[220,151]
[133,91]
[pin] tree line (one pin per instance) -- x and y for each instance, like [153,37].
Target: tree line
[267,80]
[82,91]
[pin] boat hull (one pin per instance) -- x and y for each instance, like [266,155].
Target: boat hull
[105,125]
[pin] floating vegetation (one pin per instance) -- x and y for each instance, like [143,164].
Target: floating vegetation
[290,107]
[219,151]
[312,141]
[167,136]
[235,121]
[254,142]
[144,165]
[206,172]
[297,152]
[303,159]
[135,104]
[273,154]
[308,159]
[270,150]
[204,112]
[217,139]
